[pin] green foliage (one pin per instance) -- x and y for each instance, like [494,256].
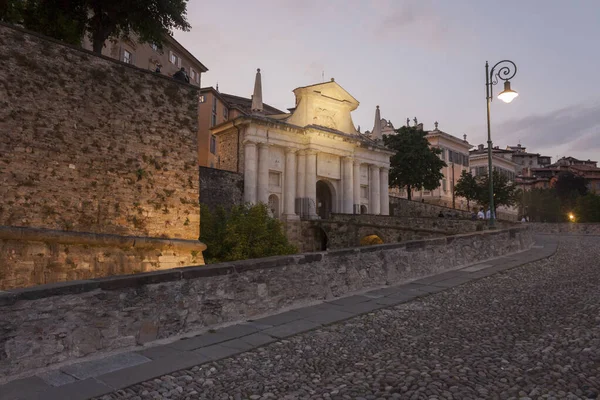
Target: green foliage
[542,205]
[241,233]
[505,193]
[587,208]
[69,20]
[467,187]
[415,165]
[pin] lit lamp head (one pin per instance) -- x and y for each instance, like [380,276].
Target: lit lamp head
[571,217]
[507,95]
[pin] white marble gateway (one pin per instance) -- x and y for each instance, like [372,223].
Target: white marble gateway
[311,161]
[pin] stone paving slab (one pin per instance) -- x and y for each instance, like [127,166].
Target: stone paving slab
[89,369]
[157,352]
[330,316]
[279,319]
[22,388]
[292,328]
[226,342]
[349,300]
[143,372]
[57,378]
[80,390]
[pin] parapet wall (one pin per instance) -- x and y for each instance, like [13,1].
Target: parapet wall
[400,207]
[50,324]
[565,227]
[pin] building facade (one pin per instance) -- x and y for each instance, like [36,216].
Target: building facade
[170,59]
[310,162]
[543,178]
[215,108]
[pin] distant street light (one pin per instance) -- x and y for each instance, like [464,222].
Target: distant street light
[571,217]
[506,71]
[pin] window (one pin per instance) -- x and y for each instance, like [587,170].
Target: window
[213,118]
[213,144]
[174,59]
[127,57]
[444,185]
[225,113]
[194,76]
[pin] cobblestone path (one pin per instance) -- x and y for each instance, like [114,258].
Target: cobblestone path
[529,333]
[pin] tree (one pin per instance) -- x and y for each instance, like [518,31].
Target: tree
[241,233]
[467,187]
[505,193]
[70,20]
[568,186]
[587,208]
[415,165]
[151,20]
[542,205]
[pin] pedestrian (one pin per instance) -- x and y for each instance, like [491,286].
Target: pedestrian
[523,219]
[480,214]
[488,214]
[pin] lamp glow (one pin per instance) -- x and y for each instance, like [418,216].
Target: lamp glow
[507,95]
[571,217]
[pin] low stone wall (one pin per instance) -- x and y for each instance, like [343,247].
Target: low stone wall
[221,188]
[30,256]
[565,227]
[49,324]
[400,207]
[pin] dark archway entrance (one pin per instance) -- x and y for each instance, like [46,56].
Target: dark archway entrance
[321,239]
[324,199]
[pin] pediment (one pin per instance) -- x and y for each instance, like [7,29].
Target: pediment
[330,90]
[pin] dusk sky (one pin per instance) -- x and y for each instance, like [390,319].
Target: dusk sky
[418,58]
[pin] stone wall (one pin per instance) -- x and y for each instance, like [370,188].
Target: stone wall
[34,256]
[220,187]
[400,207]
[346,230]
[90,144]
[54,323]
[565,227]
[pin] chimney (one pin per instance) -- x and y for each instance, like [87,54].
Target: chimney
[465,138]
[480,147]
[257,103]
[376,132]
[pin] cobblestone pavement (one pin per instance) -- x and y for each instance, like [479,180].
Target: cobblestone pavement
[529,333]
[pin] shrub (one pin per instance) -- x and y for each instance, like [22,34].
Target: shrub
[242,233]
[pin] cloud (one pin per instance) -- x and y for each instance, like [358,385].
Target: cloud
[574,127]
[414,20]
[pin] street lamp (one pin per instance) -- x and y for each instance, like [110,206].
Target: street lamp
[506,70]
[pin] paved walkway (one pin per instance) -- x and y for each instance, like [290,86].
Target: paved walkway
[200,375]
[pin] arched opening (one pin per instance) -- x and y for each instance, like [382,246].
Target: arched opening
[363,209]
[325,199]
[370,240]
[274,205]
[321,239]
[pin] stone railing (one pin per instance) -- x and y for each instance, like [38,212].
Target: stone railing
[565,227]
[50,324]
[34,256]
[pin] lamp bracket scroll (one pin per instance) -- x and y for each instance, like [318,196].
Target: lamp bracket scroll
[503,70]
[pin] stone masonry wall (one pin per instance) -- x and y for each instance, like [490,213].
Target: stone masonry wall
[89,144]
[53,323]
[409,208]
[221,188]
[566,227]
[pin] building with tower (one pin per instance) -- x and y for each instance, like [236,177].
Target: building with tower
[311,161]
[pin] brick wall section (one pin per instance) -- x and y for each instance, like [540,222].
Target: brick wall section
[93,145]
[221,188]
[184,300]
[228,151]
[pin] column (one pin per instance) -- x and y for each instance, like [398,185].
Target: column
[384,191]
[356,186]
[310,189]
[374,182]
[289,195]
[347,186]
[249,172]
[263,173]
[301,184]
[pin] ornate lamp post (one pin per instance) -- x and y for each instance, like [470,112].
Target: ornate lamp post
[506,69]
